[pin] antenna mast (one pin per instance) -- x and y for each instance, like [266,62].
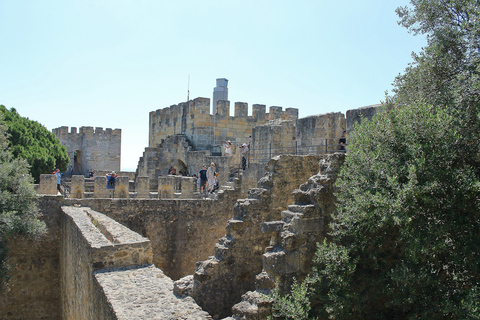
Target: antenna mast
[188,89]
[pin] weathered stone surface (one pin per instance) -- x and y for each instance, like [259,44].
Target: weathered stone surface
[293,247]
[48,184]
[220,280]
[145,293]
[357,115]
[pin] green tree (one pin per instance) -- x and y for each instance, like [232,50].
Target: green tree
[18,202]
[404,242]
[33,142]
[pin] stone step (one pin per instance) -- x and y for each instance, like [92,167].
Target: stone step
[234,228]
[254,306]
[288,216]
[264,282]
[306,209]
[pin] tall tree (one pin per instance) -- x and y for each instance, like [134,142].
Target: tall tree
[33,142]
[406,236]
[18,202]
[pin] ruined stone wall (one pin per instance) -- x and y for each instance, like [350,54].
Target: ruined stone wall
[181,231]
[359,114]
[319,134]
[33,291]
[193,119]
[219,281]
[97,149]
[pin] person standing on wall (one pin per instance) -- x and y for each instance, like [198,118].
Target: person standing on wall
[59,178]
[228,148]
[203,179]
[211,177]
[244,156]
[111,181]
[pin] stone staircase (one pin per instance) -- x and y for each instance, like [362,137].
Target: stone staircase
[293,240]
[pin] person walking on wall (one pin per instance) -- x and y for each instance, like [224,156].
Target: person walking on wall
[111,181]
[211,177]
[203,179]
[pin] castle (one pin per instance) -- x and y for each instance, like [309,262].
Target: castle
[157,250]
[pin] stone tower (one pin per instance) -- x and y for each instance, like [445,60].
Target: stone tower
[220,92]
[90,148]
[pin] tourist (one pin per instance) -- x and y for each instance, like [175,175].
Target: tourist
[59,177]
[244,155]
[111,181]
[211,177]
[228,148]
[203,179]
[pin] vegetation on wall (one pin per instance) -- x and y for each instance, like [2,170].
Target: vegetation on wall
[404,242]
[18,201]
[33,142]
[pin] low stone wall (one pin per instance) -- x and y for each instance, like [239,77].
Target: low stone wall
[181,231]
[92,241]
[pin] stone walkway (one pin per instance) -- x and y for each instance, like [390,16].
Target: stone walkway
[145,292]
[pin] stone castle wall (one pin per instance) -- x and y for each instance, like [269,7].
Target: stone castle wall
[193,119]
[91,148]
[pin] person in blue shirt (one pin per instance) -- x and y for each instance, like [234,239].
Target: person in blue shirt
[59,178]
[111,181]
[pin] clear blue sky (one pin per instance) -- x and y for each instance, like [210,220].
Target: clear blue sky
[109,63]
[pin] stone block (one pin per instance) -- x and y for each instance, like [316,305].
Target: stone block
[122,187]
[48,184]
[77,188]
[143,187]
[100,187]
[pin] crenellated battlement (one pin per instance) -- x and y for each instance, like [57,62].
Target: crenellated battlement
[193,118]
[63,131]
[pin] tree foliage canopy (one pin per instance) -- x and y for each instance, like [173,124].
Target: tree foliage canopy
[406,235]
[18,201]
[33,142]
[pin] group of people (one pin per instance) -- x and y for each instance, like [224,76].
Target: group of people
[245,148]
[208,179]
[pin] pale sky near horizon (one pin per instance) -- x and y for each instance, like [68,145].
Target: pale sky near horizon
[109,63]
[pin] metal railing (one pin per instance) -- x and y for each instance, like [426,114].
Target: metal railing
[262,155]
